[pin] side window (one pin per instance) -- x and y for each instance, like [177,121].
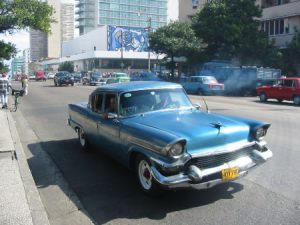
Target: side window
[110,105]
[96,103]
[288,83]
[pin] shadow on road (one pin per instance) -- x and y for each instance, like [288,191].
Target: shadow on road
[108,191]
[276,103]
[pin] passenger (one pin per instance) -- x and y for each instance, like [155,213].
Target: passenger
[165,101]
[112,107]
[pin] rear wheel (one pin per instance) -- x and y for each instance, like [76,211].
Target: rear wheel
[263,97]
[296,100]
[144,176]
[82,139]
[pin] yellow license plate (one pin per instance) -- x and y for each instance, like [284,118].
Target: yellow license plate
[231,173]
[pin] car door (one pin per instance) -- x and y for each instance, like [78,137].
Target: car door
[287,89]
[276,90]
[109,128]
[95,114]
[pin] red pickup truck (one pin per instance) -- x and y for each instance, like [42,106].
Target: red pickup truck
[283,89]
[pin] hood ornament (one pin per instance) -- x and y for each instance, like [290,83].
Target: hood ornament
[217,125]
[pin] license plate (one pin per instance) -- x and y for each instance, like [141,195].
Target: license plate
[231,173]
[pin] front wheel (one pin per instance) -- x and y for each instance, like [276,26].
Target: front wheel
[82,139]
[296,100]
[263,97]
[145,178]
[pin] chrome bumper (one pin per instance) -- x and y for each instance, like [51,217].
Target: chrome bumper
[197,178]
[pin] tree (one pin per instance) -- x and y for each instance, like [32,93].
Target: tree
[291,57]
[66,66]
[230,28]
[175,40]
[23,14]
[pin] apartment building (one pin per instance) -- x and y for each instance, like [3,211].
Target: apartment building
[280,20]
[44,45]
[130,13]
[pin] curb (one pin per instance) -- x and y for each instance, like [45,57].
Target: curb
[36,207]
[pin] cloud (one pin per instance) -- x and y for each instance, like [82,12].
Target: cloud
[20,39]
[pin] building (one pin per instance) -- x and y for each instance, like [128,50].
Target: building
[26,56]
[109,48]
[188,8]
[17,65]
[135,13]
[44,45]
[38,45]
[280,19]
[67,20]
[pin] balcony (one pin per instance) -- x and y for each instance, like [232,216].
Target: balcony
[281,11]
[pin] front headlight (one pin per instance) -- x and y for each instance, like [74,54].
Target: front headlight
[176,150]
[260,133]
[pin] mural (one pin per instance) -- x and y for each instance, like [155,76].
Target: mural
[134,39]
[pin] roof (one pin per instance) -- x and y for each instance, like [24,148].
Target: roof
[137,85]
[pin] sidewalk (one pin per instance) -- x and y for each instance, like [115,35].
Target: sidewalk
[20,202]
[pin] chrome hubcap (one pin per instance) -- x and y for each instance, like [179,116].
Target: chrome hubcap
[145,176]
[81,138]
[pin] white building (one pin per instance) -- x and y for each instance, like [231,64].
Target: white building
[26,56]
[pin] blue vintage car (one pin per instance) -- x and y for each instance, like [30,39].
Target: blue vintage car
[202,85]
[154,129]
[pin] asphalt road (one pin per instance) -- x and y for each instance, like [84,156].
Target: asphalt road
[108,194]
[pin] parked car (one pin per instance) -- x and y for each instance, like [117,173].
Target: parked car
[154,129]
[93,79]
[40,75]
[202,85]
[145,76]
[284,89]
[77,77]
[50,75]
[31,77]
[118,77]
[63,78]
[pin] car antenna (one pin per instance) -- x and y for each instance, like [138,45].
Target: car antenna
[207,110]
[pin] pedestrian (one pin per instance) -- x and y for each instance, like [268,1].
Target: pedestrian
[4,90]
[25,84]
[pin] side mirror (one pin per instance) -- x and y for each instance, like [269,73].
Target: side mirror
[111,116]
[197,106]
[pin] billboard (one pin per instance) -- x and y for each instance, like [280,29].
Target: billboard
[130,38]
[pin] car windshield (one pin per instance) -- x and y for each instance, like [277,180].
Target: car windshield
[137,102]
[207,80]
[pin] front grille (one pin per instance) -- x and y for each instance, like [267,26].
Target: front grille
[217,160]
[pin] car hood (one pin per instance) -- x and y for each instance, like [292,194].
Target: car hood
[204,132]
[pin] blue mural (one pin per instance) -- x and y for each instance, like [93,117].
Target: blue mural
[134,39]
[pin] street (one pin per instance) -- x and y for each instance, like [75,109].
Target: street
[105,192]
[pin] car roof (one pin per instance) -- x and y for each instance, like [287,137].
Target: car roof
[137,85]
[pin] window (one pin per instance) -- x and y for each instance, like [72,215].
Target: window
[288,83]
[97,100]
[110,103]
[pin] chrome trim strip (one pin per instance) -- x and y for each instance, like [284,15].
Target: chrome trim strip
[224,149]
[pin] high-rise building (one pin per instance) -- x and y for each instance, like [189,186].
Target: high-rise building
[26,56]
[67,20]
[187,8]
[17,65]
[38,45]
[133,13]
[49,45]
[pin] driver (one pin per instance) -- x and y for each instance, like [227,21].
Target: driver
[165,101]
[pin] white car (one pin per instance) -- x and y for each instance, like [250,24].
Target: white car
[31,77]
[50,75]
